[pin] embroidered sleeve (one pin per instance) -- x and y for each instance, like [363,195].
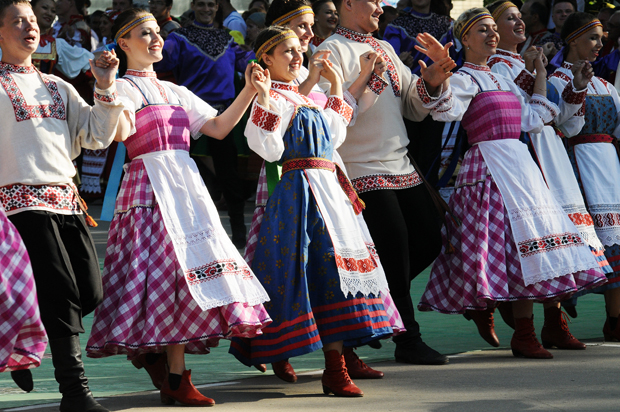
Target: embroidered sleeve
[525,80]
[423,93]
[106,95]
[340,106]
[572,96]
[265,119]
[547,110]
[377,84]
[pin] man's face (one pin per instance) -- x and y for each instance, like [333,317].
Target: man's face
[526,16]
[561,11]
[205,10]
[19,34]
[159,9]
[366,15]
[121,5]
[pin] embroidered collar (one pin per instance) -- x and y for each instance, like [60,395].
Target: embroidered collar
[566,65]
[506,53]
[476,67]
[16,69]
[202,25]
[284,86]
[140,73]
[353,35]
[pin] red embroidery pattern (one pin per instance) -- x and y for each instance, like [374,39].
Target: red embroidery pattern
[526,81]
[368,39]
[108,98]
[265,120]
[422,93]
[376,182]
[308,163]
[56,198]
[377,84]
[476,67]
[285,86]
[572,97]
[606,219]
[140,73]
[161,89]
[340,106]
[215,270]
[495,60]
[544,104]
[16,69]
[355,265]
[581,219]
[548,243]
[515,56]
[23,111]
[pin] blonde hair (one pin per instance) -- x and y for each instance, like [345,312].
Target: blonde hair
[464,19]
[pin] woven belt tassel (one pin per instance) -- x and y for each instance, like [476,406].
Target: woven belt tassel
[347,188]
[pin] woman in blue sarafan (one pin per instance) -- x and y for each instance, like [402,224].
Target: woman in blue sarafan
[311,258]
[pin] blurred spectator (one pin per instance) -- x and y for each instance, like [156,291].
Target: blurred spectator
[402,5]
[231,19]
[325,22]
[613,34]
[93,21]
[388,16]
[70,25]
[255,23]
[560,12]
[160,9]
[442,7]
[603,15]
[262,5]
[535,15]
[187,18]
[121,5]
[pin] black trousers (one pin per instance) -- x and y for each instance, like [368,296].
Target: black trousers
[65,266]
[224,154]
[425,145]
[405,227]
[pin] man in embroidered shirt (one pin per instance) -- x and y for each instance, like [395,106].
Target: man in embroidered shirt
[204,59]
[45,124]
[399,211]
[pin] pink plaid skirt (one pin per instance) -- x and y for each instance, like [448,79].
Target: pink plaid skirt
[147,303]
[23,338]
[485,266]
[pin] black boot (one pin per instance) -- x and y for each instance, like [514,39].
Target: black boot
[69,372]
[23,379]
[410,348]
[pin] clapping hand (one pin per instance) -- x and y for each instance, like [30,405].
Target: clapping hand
[582,74]
[437,73]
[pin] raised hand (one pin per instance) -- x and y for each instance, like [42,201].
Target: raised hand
[582,74]
[367,63]
[249,69]
[329,73]
[261,80]
[104,69]
[540,63]
[529,56]
[431,47]
[315,65]
[437,73]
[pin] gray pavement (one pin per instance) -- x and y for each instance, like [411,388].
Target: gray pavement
[490,380]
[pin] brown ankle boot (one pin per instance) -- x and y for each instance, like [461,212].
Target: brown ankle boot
[555,331]
[335,377]
[284,370]
[485,323]
[524,343]
[356,367]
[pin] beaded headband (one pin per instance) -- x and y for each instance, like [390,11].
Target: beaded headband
[583,29]
[292,15]
[132,24]
[502,8]
[273,42]
[470,23]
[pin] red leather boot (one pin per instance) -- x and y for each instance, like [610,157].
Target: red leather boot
[157,370]
[356,367]
[187,394]
[485,323]
[524,343]
[284,371]
[335,377]
[555,331]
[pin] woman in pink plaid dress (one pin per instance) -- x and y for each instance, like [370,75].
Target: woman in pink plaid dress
[515,242]
[174,282]
[23,339]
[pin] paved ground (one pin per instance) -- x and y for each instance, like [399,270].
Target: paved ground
[491,380]
[475,379]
